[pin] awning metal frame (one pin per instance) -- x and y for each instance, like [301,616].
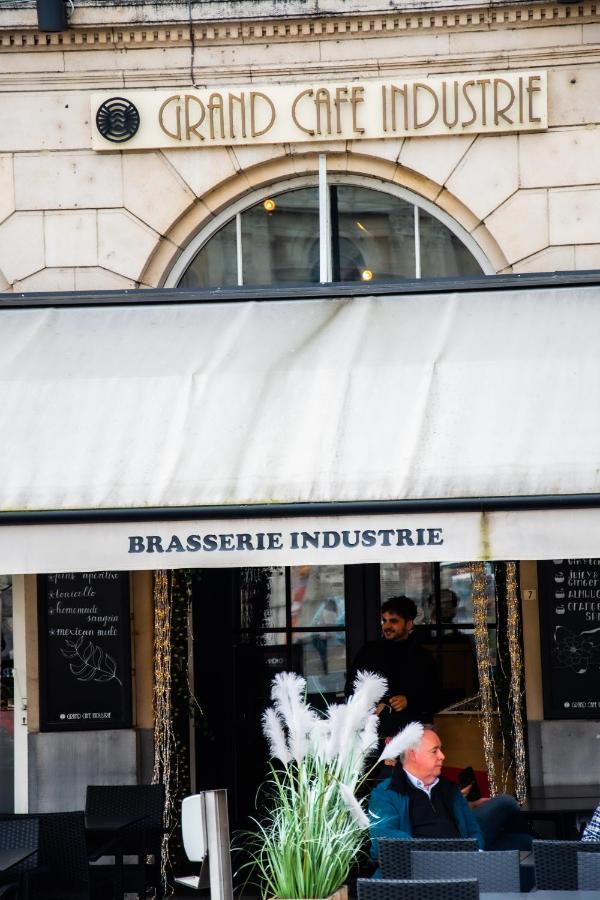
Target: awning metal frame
[161,296]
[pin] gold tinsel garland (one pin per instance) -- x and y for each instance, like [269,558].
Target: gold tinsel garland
[515,687]
[482,650]
[164,739]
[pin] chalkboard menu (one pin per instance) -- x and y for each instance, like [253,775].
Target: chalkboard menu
[569,606]
[84,650]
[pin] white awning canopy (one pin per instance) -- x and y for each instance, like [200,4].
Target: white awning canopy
[427,396]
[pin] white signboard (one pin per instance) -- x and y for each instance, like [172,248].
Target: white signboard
[321,540]
[492,102]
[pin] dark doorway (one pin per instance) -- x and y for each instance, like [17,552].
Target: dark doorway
[250,624]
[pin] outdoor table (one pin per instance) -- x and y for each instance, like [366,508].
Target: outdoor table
[565,791]
[561,808]
[12,856]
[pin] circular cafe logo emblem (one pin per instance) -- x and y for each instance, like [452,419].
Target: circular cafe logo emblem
[117,119]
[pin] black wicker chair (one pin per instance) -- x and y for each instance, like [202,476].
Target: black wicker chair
[394,853]
[140,809]
[18,831]
[62,872]
[494,870]
[555,863]
[396,889]
[588,871]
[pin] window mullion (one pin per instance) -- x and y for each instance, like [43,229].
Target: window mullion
[417,244]
[324,223]
[238,248]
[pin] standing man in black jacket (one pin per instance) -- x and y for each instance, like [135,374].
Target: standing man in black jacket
[408,668]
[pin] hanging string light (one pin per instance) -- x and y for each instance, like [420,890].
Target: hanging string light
[482,651]
[163,729]
[515,686]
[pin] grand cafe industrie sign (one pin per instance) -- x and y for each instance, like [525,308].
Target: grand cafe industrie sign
[495,102]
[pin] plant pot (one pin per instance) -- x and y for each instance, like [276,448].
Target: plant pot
[340,894]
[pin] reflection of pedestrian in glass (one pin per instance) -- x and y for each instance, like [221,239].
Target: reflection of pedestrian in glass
[327,614]
[448,606]
[461,680]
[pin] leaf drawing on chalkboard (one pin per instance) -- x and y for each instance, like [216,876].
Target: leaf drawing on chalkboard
[90,661]
[576,651]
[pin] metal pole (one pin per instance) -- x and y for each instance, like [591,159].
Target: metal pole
[219,853]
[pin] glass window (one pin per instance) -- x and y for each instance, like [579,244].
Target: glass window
[442,253]
[297,617]
[323,660]
[216,263]
[375,235]
[414,580]
[443,593]
[280,239]
[317,595]
[370,235]
[456,593]
[262,599]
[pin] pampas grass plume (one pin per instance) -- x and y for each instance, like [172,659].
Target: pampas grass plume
[354,807]
[288,695]
[274,733]
[369,735]
[368,689]
[407,739]
[312,827]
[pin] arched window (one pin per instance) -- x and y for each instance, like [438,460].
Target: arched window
[372,233]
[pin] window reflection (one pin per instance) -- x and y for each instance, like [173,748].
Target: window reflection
[456,592]
[317,595]
[280,239]
[375,235]
[323,660]
[215,265]
[443,254]
[295,619]
[414,580]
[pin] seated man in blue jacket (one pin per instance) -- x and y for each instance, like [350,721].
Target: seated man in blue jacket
[417,802]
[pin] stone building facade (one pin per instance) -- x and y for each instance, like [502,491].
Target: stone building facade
[73,218]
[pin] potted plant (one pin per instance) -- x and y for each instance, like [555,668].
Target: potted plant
[314,827]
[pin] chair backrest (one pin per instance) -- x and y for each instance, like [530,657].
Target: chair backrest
[394,853]
[62,847]
[396,889]
[494,870]
[193,827]
[129,800]
[588,871]
[555,863]
[20,830]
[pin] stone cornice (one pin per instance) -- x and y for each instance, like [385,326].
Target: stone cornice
[179,77]
[333,26]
